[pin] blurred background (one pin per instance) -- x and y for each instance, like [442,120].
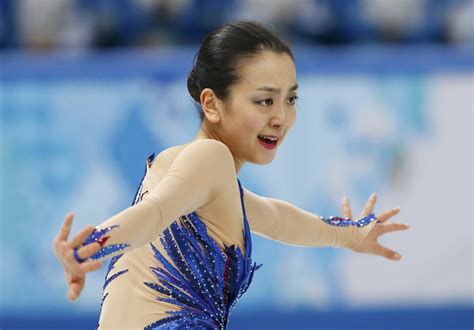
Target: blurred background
[89,89]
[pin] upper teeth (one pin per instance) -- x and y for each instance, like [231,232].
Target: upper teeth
[270,138]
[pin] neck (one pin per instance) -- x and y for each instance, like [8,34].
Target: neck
[205,133]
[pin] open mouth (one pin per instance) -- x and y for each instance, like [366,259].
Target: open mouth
[268,140]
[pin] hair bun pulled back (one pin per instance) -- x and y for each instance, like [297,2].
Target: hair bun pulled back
[216,63]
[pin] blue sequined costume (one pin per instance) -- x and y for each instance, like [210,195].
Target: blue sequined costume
[194,280]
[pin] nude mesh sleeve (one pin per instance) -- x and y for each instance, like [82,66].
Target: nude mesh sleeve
[194,178]
[286,223]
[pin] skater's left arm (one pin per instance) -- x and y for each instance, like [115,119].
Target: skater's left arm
[281,221]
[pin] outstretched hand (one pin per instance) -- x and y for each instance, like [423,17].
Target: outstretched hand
[370,244]
[63,250]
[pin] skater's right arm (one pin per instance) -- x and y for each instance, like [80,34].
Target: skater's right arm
[194,178]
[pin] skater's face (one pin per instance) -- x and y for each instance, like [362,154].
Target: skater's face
[261,103]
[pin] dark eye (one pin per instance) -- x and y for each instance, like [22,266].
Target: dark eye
[292,100]
[266,102]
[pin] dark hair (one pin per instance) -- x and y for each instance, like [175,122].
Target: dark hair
[222,50]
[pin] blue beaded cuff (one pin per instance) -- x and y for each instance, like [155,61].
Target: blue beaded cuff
[338,221]
[96,236]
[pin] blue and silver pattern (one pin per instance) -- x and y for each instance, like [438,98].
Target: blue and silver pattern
[96,236]
[338,221]
[206,281]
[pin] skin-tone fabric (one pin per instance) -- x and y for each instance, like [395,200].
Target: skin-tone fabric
[199,176]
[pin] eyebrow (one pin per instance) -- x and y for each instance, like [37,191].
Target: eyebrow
[276,90]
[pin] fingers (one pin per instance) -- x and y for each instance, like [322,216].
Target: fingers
[369,207]
[387,253]
[80,238]
[90,266]
[382,217]
[347,213]
[76,283]
[75,289]
[65,228]
[75,268]
[87,251]
[389,227]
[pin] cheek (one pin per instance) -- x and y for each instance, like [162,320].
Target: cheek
[292,118]
[252,125]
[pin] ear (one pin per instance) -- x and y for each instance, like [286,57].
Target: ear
[211,105]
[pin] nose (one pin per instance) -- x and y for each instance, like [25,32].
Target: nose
[279,118]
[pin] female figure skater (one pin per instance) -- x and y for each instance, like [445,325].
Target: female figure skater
[181,253]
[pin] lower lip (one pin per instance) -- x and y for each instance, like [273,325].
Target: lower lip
[269,146]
